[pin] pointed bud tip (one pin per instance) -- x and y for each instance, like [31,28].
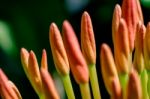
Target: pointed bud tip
[118,10]
[44,60]
[140,32]
[115,21]
[65,24]
[104,47]
[44,52]
[117,6]
[24,51]
[52,26]
[31,53]
[85,14]
[85,18]
[148,25]
[32,58]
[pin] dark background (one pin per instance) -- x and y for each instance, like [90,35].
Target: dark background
[26,24]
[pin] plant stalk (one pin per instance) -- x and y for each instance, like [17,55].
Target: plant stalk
[85,91]
[144,82]
[94,81]
[123,81]
[148,83]
[68,86]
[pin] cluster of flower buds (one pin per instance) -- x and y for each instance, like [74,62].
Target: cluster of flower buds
[40,79]
[68,56]
[126,75]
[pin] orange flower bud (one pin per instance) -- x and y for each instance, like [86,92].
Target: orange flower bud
[58,50]
[147,47]
[44,60]
[134,86]
[24,59]
[31,68]
[87,39]
[6,89]
[139,45]
[108,68]
[49,89]
[77,62]
[131,12]
[34,73]
[122,53]
[115,21]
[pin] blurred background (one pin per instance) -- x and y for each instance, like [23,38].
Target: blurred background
[26,24]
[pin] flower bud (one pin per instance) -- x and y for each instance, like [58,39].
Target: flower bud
[58,50]
[115,21]
[139,47]
[108,69]
[44,60]
[24,59]
[87,39]
[122,53]
[34,73]
[77,62]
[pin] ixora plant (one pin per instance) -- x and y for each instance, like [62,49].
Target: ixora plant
[126,74]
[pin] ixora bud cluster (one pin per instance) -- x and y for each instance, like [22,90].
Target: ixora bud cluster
[126,74]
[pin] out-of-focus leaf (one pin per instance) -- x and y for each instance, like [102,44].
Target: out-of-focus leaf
[7,43]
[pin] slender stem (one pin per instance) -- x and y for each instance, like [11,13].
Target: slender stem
[85,91]
[148,84]
[94,81]
[68,86]
[144,82]
[123,81]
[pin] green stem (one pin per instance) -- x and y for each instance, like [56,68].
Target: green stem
[123,81]
[94,81]
[148,84]
[68,86]
[85,90]
[144,82]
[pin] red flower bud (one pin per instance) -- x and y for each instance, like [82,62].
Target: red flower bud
[77,62]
